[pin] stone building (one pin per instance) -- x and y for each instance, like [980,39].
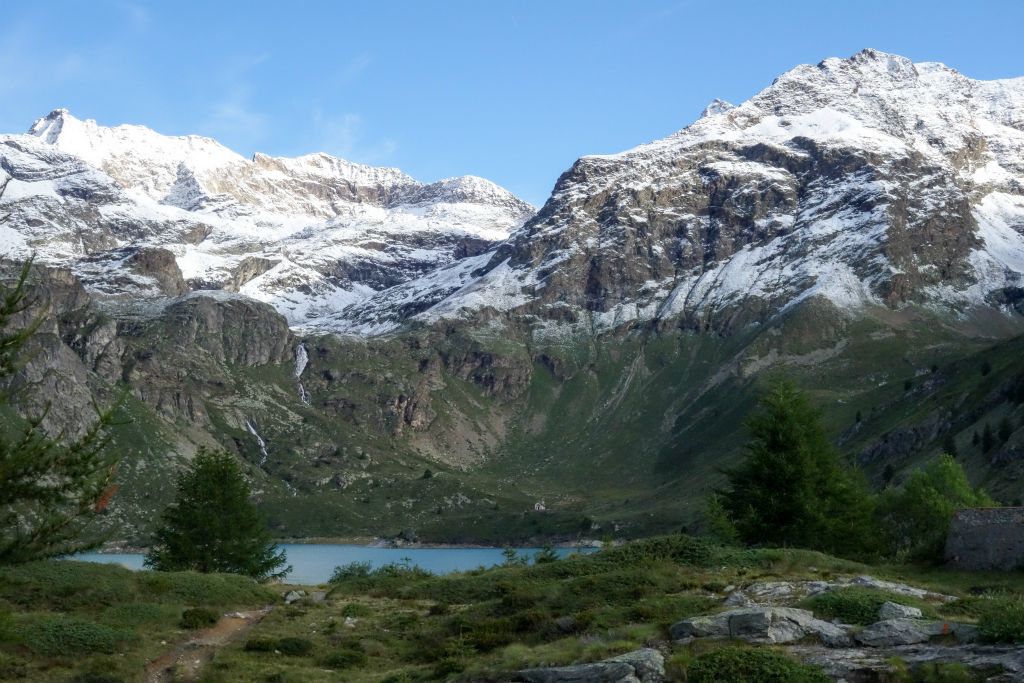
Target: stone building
[986,538]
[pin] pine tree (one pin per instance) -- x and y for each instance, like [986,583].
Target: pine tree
[50,492]
[988,439]
[888,473]
[1005,429]
[213,527]
[949,444]
[792,490]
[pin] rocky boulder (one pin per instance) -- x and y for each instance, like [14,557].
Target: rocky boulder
[774,625]
[641,666]
[898,632]
[893,610]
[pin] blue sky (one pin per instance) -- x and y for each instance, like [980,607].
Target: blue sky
[512,91]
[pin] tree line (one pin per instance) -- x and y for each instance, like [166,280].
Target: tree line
[794,489]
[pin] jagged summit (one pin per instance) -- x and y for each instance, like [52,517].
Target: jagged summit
[715,107]
[865,181]
[308,234]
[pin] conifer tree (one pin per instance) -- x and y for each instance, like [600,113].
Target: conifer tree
[1005,429]
[212,526]
[988,439]
[51,490]
[793,490]
[949,444]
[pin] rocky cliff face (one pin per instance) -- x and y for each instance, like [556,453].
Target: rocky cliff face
[858,226]
[140,215]
[869,182]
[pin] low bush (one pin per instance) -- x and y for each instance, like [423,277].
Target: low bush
[749,665]
[294,647]
[260,645]
[7,631]
[356,610]
[1002,621]
[352,570]
[204,589]
[935,672]
[344,658]
[860,605]
[135,614]
[95,678]
[54,636]
[199,617]
[681,549]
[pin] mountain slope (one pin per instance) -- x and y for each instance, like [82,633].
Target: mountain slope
[307,235]
[857,227]
[868,181]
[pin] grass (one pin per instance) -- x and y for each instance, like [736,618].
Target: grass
[398,623]
[857,605]
[62,620]
[744,665]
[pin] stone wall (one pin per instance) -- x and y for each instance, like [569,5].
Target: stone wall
[986,538]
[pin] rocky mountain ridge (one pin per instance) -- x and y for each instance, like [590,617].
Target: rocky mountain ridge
[307,234]
[868,182]
[858,227]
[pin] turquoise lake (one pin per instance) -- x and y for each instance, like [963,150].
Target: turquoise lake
[313,563]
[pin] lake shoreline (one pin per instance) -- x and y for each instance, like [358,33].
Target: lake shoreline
[365,542]
[315,564]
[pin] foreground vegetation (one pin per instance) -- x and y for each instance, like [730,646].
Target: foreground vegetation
[70,621]
[77,621]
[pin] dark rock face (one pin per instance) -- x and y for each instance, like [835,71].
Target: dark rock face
[986,538]
[239,331]
[845,180]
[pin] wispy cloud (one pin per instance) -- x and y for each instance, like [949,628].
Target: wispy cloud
[344,136]
[137,15]
[354,68]
[232,117]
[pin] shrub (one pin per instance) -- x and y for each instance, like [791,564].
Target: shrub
[1003,621]
[344,658]
[59,635]
[96,678]
[751,665]
[199,617]
[202,589]
[7,632]
[916,516]
[260,645]
[681,549]
[935,672]
[66,585]
[352,570]
[860,605]
[356,609]
[294,647]
[545,555]
[134,614]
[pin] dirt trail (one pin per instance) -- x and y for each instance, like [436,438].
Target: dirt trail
[183,663]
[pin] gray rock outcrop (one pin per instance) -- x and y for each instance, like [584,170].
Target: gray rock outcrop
[641,666]
[775,625]
[893,610]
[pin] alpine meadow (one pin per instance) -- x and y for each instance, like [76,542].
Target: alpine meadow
[743,404]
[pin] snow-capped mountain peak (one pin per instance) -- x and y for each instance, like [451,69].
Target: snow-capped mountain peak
[309,234]
[137,157]
[865,181]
